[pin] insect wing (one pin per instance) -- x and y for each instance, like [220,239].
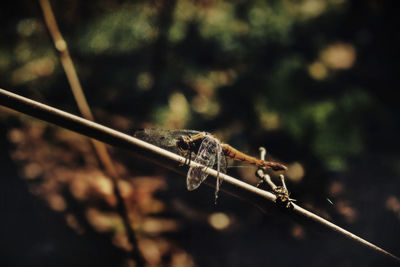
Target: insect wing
[222,162]
[205,156]
[163,138]
[221,167]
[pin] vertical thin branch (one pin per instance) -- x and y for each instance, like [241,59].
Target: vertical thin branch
[100,148]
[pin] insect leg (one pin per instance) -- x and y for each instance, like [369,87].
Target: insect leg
[218,170]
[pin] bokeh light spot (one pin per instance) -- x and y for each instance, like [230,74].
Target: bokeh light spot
[295,172]
[219,220]
[318,71]
[145,81]
[339,56]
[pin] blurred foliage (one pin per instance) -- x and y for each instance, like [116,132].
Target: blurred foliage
[312,80]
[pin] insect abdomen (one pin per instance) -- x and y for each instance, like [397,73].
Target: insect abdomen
[234,154]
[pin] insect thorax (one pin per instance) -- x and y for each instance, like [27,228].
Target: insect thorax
[187,143]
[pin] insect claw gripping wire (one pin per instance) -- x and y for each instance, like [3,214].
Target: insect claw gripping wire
[188,159]
[281,192]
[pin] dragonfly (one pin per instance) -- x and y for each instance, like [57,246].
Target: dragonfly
[206,149]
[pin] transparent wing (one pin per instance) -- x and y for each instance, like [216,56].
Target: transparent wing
[163,138]
[221,167]
[222,162]
[206,156]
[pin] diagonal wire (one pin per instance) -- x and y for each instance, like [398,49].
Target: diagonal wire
[266,201]
[100,148]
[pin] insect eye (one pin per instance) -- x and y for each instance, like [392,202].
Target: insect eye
[182,144]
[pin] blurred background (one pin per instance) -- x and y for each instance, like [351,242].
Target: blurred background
[311,80]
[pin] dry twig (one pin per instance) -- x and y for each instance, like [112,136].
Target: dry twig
[100,148]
